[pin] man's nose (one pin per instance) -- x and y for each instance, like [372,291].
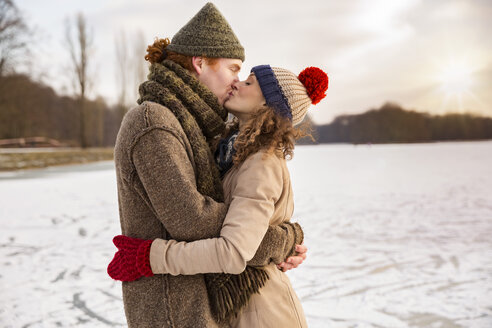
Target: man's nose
[234,84]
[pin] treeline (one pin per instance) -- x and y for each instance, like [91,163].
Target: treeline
[31,109]
[393,124]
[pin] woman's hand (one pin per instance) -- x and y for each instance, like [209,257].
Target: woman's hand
[294,261]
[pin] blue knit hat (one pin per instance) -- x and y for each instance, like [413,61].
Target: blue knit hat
[290,95]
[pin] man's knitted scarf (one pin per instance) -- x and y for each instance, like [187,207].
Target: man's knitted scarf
[202,118]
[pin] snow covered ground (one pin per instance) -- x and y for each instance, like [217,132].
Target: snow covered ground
[399,236]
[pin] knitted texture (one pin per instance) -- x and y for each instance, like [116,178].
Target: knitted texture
[207,34]
[295,92]
[298,237]
[274,247]
[131,261]
[271,90]
[289,94]
[198,110]
[143,259]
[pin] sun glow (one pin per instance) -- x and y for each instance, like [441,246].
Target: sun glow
[455,78]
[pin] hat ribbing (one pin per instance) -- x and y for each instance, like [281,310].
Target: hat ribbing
[207,34]
[285,93]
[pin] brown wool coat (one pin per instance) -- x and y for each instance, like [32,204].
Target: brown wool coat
[259,193]
[158,198]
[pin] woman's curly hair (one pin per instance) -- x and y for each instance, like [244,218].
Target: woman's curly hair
[267,131]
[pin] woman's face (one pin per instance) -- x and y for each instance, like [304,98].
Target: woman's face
[245,98]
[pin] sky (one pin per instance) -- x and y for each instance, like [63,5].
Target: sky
[430,56]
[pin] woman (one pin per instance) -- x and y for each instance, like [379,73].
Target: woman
[252,158]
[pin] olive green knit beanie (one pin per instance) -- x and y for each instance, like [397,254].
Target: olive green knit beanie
[207,34]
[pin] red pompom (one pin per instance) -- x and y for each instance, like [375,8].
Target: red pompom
[316,83]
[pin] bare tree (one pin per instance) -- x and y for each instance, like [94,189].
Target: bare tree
[131,68]
[13,33]
[140,67]
[79,46]
[122,67]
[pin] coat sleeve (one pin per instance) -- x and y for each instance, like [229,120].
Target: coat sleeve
[258,187]
[278,244]
[166,179]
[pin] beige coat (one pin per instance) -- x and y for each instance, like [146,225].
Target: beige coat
[259,193]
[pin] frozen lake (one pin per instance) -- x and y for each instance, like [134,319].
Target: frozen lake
[399,236]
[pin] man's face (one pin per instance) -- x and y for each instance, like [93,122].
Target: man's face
[220,76]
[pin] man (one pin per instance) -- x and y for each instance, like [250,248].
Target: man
[168,185]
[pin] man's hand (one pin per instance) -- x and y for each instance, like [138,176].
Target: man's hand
[131,261]
[294,261]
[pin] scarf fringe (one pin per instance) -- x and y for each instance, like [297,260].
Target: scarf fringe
[228,293]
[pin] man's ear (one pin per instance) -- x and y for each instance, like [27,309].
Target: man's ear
[197,63]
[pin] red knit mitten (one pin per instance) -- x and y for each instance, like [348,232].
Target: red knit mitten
[131,261]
